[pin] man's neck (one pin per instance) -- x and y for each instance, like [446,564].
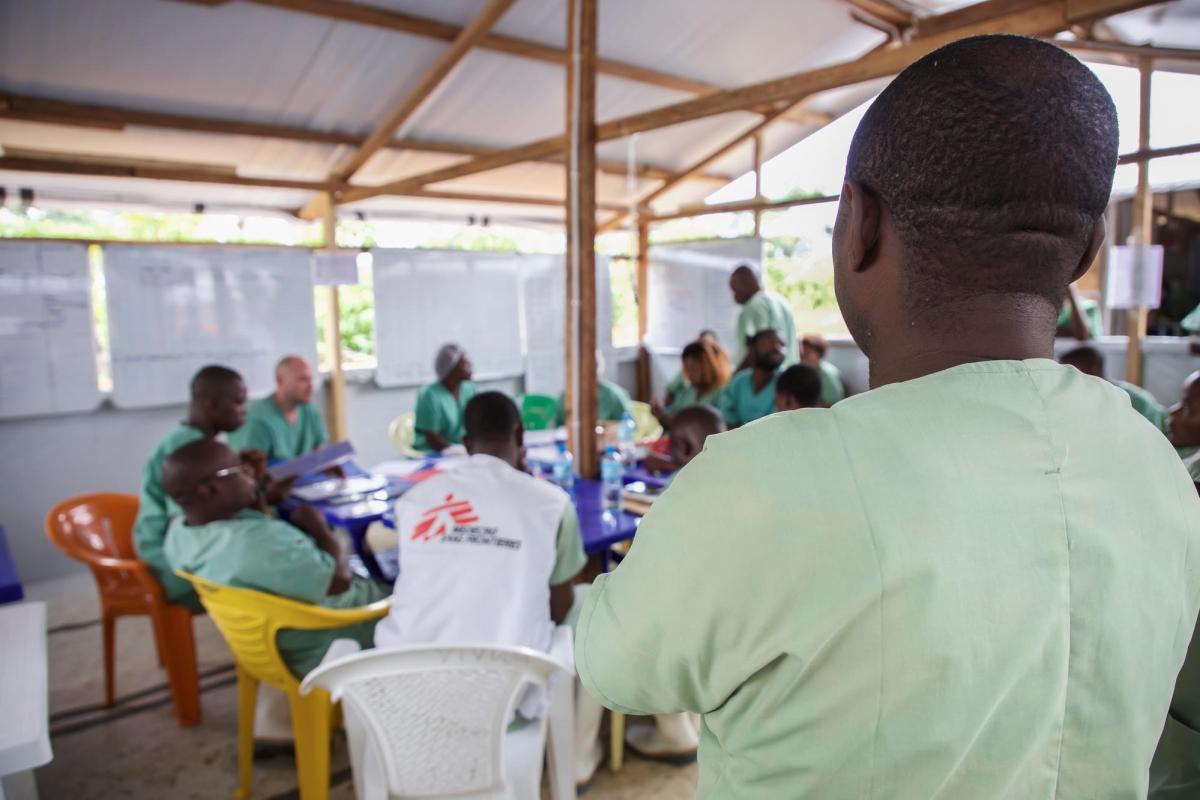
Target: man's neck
[204,516]
[205,426]
[285,405]
[761,377]
[988,329]
[452,385]
[502,451]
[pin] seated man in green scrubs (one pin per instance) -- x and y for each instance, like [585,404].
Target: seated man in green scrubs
[798,386]
[1089,361]
[218,405]
[750,394]
[439,417]
[224,536]
[1183,426]
[761,310]
[979,578]
[612,401]
[285,424]
[812,352]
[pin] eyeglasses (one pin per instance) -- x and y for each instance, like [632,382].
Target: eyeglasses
[240,469]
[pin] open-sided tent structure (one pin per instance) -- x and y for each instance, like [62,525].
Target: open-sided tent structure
[535,110]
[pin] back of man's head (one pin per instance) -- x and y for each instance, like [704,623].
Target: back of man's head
[798,386]
[187,466]
[1086,359]
[689,428]
[492,424]
[212,381]
[994,156]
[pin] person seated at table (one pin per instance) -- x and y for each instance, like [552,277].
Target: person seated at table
[224,536]
[798,386]
[812,352]
[612,401]
[751,392]
[439,415]
[1089,361]
[285,424]
[218,405]
[705,373]
[692,426]
[1183,426]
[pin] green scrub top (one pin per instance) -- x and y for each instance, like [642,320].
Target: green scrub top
[1145,404]
[738,402]
[977,584]
[1091,315]
[438,412]
[612,403]
[155,510]
[1191,323]
[1175,771]
[688,397]
[268,430]
[1191,459]
[766,310]
[832,388]
[254,551]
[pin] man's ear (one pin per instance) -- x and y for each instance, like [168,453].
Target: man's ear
[862,221]
[1099,231]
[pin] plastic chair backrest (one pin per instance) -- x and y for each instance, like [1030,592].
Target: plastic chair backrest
[538,412]
[648,427]
[249,621]
[97,529]
[435,716]
[403,433]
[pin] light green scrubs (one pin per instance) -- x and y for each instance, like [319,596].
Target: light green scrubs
[612,403]
[766,310]
[832,388]
[976,584]
[1175,773]
[1091,315]
[254,551]
[1145,404]
[438,412]
[569,558]
[155,510]
[1191,460]
[1191,323]
[268,430]
[740,404]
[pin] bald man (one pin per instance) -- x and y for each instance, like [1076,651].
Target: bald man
[285,424]
[979,578]
[761,310]
[218,405]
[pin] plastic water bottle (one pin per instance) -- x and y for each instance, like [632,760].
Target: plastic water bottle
[627,437]
[563,473]
[612,470]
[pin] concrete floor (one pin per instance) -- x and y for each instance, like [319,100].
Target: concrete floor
[135,750]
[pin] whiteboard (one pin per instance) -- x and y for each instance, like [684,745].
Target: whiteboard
[172,310]
[426,298]
[689,290]
[544,304]
[47,336]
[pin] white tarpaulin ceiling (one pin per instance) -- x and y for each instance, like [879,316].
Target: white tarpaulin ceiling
[260,63]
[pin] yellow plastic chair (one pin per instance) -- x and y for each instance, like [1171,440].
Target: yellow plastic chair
[249,621]
[647,426]
[403,433]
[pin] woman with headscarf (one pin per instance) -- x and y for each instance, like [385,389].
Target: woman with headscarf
[440,405]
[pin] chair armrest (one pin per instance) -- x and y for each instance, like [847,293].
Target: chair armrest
[311,617]
[562,648]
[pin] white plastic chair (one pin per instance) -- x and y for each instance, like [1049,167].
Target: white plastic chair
[432,721]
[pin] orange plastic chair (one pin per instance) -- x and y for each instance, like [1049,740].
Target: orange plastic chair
[249,621]
[97,529]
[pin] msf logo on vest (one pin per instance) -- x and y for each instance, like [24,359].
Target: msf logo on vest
[436,521]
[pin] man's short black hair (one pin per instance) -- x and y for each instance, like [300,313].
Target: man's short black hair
[491,416]
[211,380]
[1086,359]
[995,156]
[801,382]
[753,338]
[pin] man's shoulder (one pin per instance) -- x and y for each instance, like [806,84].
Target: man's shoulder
[174,439]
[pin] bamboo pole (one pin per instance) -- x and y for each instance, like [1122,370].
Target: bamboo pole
[581,388]
[336,398]
[1143,224]
[642,277]
[758,193]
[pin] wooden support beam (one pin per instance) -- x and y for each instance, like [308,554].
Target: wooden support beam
[1030,18]
[758,193]
[363,14]
[336,395]
[642,283]
[1132,51]
[1140,156]
[26,108]
[738,206]
[581,335]
[895,14]
[437,72]
[1143,224]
